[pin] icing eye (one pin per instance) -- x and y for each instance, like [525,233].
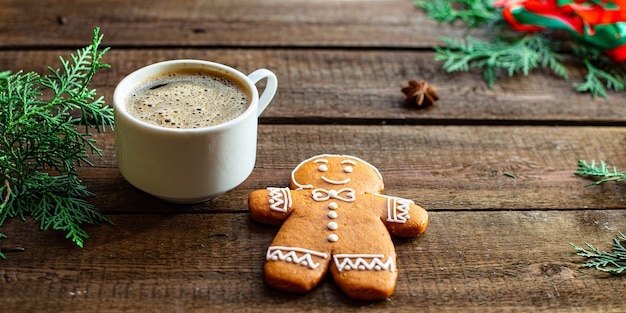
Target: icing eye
[348,169]
[323,168]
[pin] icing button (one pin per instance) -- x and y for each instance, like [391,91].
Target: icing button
[333,238]
[332,214]
[332,226]
[333,205]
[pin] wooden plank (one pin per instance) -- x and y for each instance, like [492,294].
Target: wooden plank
[440,167]
[495,243]
[363,87]
[362,23]
[466,261]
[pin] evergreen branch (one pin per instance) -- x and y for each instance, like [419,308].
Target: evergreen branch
[41,147]
[601,75]
[514,55]
[600,174]
[474,13]
[517,55]
[2,256]
[612,262]
[70,85]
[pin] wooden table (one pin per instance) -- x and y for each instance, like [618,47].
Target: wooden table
[495,243]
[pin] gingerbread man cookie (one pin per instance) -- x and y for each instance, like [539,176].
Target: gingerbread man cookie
[334,217]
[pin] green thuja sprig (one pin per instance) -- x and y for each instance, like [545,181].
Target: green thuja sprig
[474,13]
[41,146]
[611,262]
[602,73]
[510,52]
[509,55]
[2,256]
[601,174]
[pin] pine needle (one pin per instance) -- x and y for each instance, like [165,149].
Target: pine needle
[2,256]
[506,52]
[41,147]
[611,262]
[474,13]
[597,81]
[511,56]
[601,174]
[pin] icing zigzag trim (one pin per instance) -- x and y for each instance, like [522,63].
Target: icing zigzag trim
[398,210]
[290,255]
[347,262]
[280,199]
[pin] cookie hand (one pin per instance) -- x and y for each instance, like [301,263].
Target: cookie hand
[414,225]
[404,218]
[270,206]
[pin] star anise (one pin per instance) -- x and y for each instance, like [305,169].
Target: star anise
[420,93]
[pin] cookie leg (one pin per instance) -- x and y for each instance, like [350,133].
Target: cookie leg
[365,276]
[295,269]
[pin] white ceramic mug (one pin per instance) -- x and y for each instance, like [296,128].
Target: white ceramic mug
[189,165]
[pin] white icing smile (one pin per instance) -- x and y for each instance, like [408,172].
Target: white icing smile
[336,182]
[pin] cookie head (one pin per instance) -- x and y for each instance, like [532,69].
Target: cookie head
[330,171]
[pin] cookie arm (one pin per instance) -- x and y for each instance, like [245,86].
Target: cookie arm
[270,206]
[404,218]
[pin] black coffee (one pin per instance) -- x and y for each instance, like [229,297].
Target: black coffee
[188,98]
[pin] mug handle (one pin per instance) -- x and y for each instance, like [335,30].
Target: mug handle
[270,87]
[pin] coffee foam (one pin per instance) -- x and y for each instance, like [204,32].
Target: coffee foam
[188,99]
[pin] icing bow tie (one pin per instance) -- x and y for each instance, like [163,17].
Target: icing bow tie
[344,194]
